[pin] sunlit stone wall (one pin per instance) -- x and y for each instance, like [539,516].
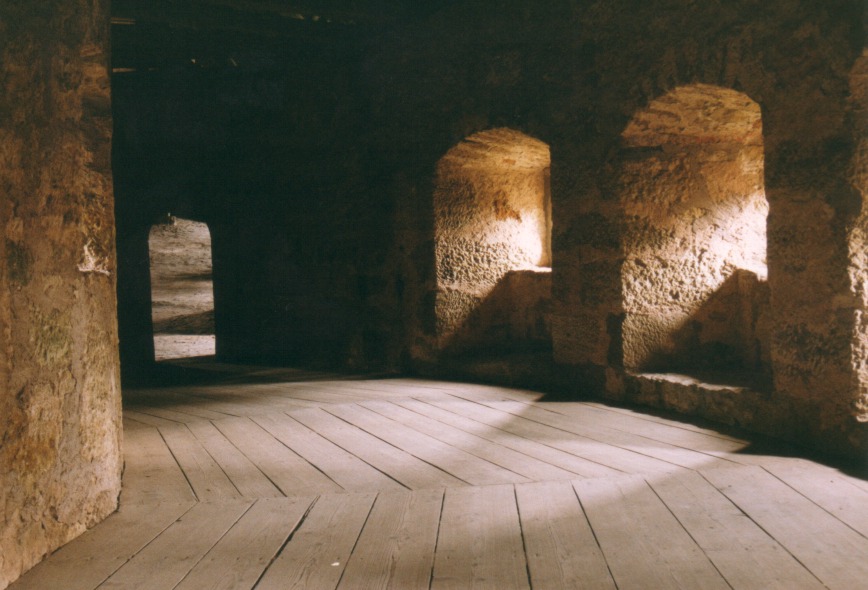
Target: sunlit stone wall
[60,460]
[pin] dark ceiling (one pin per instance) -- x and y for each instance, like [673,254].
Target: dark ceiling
[152,34]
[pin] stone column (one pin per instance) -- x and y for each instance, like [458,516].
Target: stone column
[60,420]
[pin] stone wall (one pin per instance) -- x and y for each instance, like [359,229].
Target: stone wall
[60,433]
[574,76]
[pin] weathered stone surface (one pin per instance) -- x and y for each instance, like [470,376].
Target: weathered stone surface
[491,217]
[60,432]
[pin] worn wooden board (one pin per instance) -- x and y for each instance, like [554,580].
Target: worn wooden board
[644,544]
[290,473]
[204,474]
[560,545]
[671,433]
[518,437]
[151,473]
[480,542]
[399,465]
[743,553]
[524,465]
[319,550]
[345,469]
[88,561]
[168,558]
[837,493]
[615,458]
[244,474]
[452,460]
[241,556]
[396,548]
[830,549]
[588,428]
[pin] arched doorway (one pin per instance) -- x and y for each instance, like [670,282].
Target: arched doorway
[691,189]
[492,226]
[182,291]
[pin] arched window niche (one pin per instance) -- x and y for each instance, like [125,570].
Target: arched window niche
[492,227]
[691,185]
[182,292]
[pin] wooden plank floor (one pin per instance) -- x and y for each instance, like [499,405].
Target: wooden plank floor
[275,478]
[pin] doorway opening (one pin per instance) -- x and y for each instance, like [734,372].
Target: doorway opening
[182,292]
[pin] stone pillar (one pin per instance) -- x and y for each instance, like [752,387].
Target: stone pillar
[586,259]
[60,421]
[858,243]
[814,306]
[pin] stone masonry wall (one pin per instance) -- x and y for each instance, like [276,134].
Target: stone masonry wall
[60,434]
[574,75]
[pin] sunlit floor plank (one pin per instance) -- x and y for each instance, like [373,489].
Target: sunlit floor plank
[399,465]
[644,544]
[831,550]
[560,545]
[396,548]
[386,484]
[318,552]
[344,468]
[166,560]
[745,554]
[480,543]
[524,465]
[240,557]
[454,461]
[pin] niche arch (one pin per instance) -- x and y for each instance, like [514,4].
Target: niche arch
[492,244]
[691,190]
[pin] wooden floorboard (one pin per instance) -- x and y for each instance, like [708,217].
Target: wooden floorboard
[342,467]
[151,473]
[460,464]
[607,457]
[242,554]
[516,437]
[831,550]
[204,474]
[325,481]
[164,562]
[480,542]
[318,552]
[244,474]
[742,551]
[561,549]
[644,544]
[395,550]
[97,554]
[834,492]
[285,469]
[669,433]
[404,468]
[590,428]
[524,465]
